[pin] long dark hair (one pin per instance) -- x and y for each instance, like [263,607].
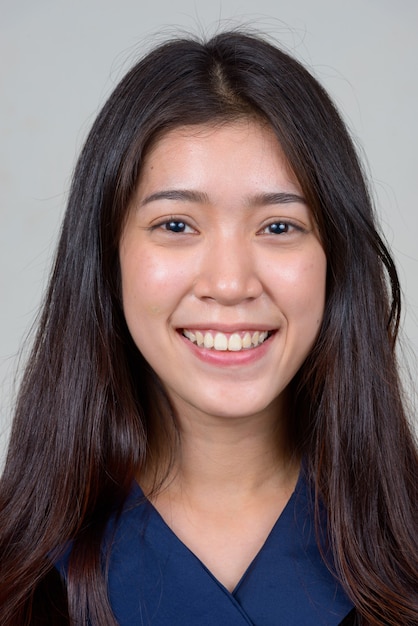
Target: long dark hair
[89,406]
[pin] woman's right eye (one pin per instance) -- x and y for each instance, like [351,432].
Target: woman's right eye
[175,226]
[172,229]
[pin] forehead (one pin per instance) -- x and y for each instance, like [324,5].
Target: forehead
[248,148]
[211,130]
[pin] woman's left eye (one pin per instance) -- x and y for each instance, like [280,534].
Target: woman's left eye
[280,228]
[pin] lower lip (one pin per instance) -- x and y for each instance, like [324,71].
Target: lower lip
[226,358]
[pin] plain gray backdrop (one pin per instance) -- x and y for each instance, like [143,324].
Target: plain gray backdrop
[60,59]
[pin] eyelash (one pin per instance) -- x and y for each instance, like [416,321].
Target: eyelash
[285,227]
[179,226]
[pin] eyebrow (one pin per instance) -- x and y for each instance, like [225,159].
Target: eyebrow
[278,197]
[185,195]
[189,195]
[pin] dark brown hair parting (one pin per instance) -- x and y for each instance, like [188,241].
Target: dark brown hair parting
[89,406]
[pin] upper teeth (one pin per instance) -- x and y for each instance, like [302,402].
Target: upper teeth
[220,341]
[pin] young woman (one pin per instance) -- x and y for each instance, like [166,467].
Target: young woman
[210,429]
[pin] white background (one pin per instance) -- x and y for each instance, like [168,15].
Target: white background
[59,60]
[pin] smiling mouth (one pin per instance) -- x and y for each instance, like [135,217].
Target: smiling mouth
[231,342]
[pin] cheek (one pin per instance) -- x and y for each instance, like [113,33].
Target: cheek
[302,285]
[151,285]
[314,279]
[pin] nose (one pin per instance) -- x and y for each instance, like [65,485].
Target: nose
[227,273]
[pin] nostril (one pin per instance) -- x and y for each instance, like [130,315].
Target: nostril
[224,290]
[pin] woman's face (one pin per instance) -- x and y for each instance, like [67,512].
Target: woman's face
[223,272]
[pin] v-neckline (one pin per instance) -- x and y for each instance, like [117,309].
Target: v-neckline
[280,520]
[153,573]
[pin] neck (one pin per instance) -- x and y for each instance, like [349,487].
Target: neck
[233,457]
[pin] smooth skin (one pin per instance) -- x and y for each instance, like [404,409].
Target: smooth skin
[220,241]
